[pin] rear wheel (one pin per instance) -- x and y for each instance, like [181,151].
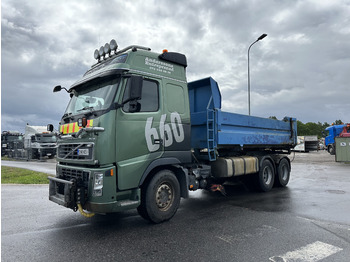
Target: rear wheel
[266,176]
[283,173]
[161,197]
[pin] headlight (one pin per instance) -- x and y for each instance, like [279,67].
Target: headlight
[98,184]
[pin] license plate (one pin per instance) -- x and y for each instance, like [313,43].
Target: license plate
[83,152]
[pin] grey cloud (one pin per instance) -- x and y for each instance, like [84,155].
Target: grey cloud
[302,64]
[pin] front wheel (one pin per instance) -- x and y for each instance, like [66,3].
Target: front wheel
[161,197]
[331,150]
[266,176]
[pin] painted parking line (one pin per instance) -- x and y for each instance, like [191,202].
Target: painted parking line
[310,253]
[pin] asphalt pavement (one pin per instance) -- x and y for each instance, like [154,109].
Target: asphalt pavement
[307,221]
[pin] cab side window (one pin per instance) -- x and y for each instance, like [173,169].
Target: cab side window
[149,101]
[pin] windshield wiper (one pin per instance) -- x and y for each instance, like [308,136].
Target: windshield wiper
[86,108]
[91,112]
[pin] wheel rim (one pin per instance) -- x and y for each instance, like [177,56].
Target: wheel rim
[267,175]
[164,196]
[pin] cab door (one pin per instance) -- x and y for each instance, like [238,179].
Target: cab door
[138,140]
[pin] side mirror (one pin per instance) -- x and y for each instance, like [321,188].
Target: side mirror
[135,93]
[57,89]
[134,107]
[135,88]
[50,127]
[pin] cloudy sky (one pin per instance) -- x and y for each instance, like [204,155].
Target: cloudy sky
[301,69]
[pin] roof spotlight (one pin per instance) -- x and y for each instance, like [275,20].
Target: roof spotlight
[107,49]
[102,51]
[97,54]
[113,44]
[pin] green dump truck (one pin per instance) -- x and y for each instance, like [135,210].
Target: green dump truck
[136,134]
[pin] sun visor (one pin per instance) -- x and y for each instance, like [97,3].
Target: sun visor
[173,57]
[97,77]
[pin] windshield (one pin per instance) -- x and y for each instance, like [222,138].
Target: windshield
[93,97]
[14,138]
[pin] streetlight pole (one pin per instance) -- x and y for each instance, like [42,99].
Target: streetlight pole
[260,38]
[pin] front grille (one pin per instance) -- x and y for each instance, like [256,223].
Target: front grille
[69,174]
[82,151]
[80,177]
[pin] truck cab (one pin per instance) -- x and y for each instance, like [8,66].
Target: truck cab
[333,132]
[38,142]
[117,129]
[11,143]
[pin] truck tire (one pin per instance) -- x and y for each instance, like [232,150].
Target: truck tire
[331,150]
[161,198]
[266,176]
[283,173]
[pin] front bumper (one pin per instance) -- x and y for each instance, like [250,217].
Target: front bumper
[74,185]
[47,151]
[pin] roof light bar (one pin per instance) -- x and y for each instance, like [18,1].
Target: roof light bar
[107,49]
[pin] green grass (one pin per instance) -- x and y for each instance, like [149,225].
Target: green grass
[7,158]
[13,175]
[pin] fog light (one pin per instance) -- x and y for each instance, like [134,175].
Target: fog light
[97,192]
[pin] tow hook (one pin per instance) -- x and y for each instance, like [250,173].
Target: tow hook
[80,201]
[85,214]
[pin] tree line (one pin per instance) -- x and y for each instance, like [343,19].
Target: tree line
[312,129]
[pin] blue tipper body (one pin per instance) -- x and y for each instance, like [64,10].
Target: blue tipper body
[213,128]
